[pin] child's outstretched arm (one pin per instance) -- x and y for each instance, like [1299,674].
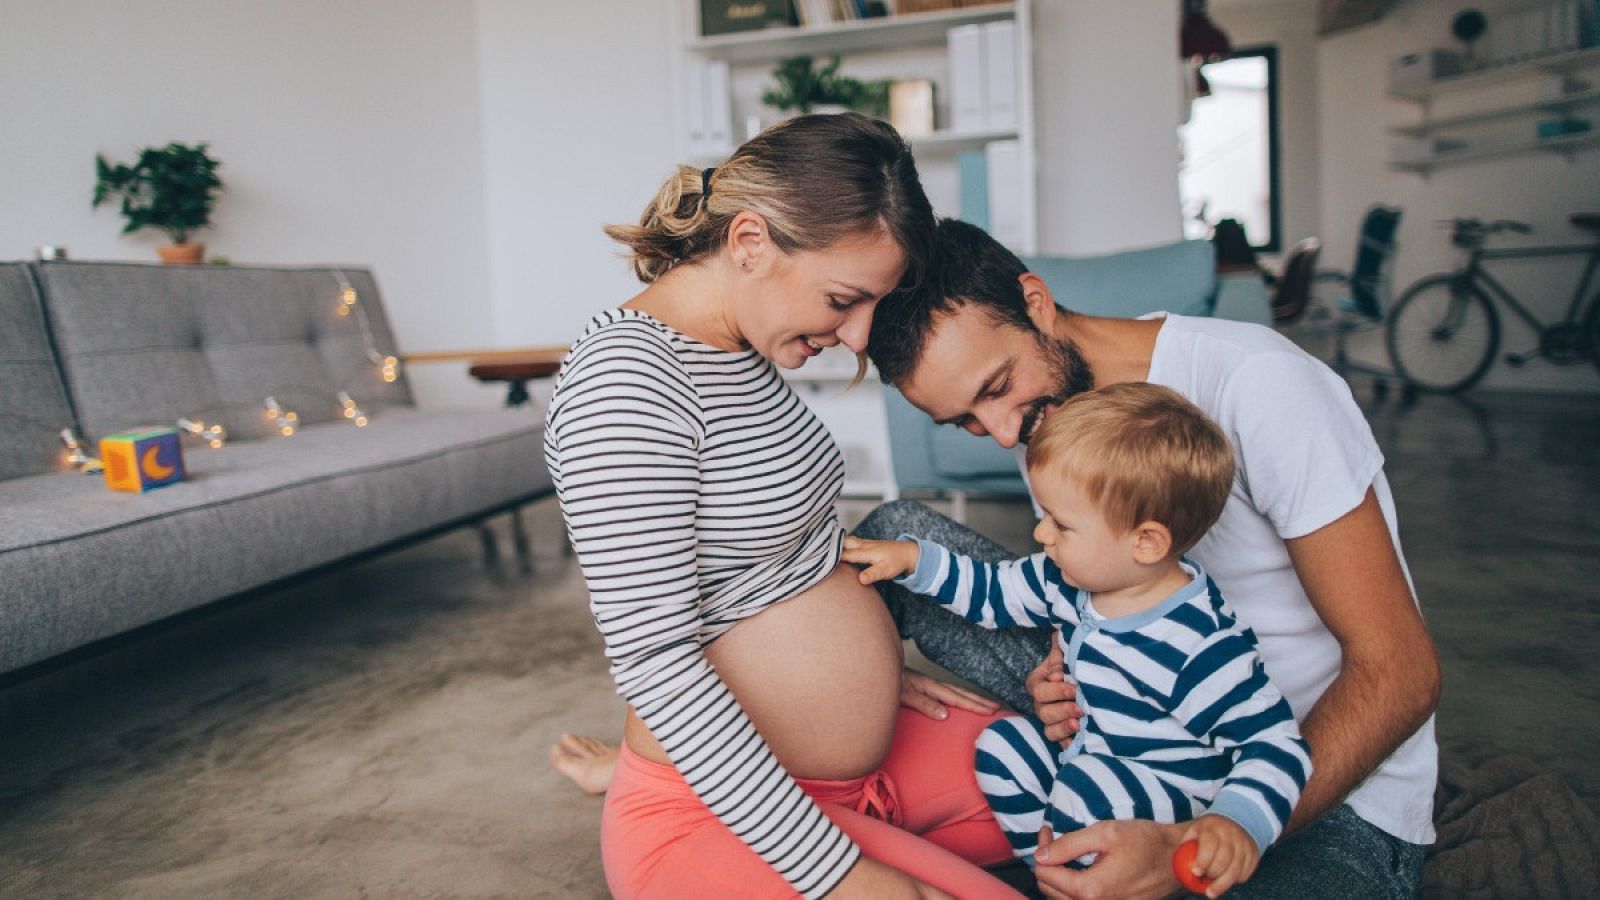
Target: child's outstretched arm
[883,559]
[1025,592]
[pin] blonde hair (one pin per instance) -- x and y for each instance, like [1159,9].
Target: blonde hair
[815,180]
[1142,453]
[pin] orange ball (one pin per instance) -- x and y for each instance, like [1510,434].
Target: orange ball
[1182,863]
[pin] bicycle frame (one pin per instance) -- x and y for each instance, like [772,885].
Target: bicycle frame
[1476,273]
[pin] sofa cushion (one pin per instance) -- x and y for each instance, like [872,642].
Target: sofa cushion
[146,344]
[33,403]
[1179,277]
[79,562]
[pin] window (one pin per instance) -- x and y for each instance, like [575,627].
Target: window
[1229,147]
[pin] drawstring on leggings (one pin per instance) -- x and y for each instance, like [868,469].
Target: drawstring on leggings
[878,800]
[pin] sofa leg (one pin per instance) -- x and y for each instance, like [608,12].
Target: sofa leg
[519,542]
[958,507]
[491,546]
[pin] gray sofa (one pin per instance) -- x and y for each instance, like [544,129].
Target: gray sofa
[105,347]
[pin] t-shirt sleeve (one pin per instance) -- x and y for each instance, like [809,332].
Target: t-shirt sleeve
[623,446]
[1307,455]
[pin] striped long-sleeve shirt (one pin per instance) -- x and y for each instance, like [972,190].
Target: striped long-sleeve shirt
[698,490]
[1178,687]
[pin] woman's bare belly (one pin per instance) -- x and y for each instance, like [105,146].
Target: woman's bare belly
[818,674]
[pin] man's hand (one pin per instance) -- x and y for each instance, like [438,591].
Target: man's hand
[1226,853]
[1133,860]
[883,559]
[929,696]
[1055,697]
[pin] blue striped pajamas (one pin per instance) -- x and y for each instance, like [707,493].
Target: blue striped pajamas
[1179,718]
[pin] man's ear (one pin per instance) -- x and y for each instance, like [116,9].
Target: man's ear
[1152,543]
[1041,303]
[748,240]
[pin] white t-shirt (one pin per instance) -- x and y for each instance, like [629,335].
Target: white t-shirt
[1306,457]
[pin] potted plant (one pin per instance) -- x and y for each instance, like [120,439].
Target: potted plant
[171,188]
[803,87]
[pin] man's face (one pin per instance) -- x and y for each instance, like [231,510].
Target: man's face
[993,379]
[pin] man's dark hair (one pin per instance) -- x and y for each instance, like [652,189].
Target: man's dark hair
[967,268]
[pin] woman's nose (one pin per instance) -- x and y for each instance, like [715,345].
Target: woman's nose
[856,327]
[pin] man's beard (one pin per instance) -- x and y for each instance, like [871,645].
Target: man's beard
[1068,370]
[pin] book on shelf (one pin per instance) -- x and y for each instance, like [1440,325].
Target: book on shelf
[731,16]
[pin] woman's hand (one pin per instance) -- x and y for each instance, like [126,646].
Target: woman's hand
[870,879]
[883,559]
[1055,697]
[929,696]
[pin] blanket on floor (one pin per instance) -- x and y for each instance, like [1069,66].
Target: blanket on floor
[1511,828]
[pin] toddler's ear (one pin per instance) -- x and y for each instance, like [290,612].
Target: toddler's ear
[1152,543]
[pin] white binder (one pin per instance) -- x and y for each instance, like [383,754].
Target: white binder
[1000,70]
[967,98]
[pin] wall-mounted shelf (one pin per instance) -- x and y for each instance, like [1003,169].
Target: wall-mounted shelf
[1566,144]
[843,37]
[1474,127]
[1554,64]
[959,141]
[1559,105]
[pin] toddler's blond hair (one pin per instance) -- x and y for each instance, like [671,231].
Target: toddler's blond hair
[1142,453]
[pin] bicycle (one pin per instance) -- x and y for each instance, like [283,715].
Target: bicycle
[1444,331]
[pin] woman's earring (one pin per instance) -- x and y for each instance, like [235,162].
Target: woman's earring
[745,265]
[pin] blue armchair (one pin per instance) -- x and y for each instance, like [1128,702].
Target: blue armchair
[1179,277]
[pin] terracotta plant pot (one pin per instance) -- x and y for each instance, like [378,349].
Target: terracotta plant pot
[188,254]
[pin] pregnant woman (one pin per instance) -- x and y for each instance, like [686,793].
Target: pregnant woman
[765,752]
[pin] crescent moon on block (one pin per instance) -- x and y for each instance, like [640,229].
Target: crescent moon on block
[152,468]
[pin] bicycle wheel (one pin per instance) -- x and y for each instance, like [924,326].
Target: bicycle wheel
[1443,335]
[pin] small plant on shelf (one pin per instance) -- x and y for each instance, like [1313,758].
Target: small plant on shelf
[170,188]
[803,87]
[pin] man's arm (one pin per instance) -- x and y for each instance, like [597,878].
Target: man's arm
[1387,686]
[1388,681]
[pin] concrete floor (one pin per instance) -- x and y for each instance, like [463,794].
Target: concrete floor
[381,730]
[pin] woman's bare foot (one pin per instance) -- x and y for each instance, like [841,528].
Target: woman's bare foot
[588,761]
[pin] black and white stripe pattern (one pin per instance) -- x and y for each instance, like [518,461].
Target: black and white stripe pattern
[697,490]
[1178,713]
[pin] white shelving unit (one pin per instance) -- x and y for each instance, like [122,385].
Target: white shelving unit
[914,46]
[1471,126]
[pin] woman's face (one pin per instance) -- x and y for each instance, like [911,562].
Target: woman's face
[806,301]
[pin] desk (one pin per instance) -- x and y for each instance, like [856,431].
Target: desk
[515,368]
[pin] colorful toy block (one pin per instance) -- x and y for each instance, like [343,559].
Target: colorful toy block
[140,460]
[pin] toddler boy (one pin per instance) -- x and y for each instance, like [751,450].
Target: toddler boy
[1180,722]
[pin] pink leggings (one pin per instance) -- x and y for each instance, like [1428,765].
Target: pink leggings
[921,813]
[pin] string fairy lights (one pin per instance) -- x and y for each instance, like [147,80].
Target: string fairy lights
[77,456]
[351,410]
[286,420]
[350,304]
[213,434]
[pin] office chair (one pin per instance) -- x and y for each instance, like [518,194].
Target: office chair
[1347,302]
[1291,295]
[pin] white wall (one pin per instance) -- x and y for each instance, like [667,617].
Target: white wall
[1106,94]
[1537,188]
[471,153]
[578,113]
[1290,25]
[348,132]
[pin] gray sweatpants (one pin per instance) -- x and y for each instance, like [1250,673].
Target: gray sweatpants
[1339,856]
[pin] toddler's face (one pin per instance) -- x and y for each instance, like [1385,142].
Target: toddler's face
[1090,553]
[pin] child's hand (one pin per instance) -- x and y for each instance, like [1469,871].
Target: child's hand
[1226,855]
[883,559]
